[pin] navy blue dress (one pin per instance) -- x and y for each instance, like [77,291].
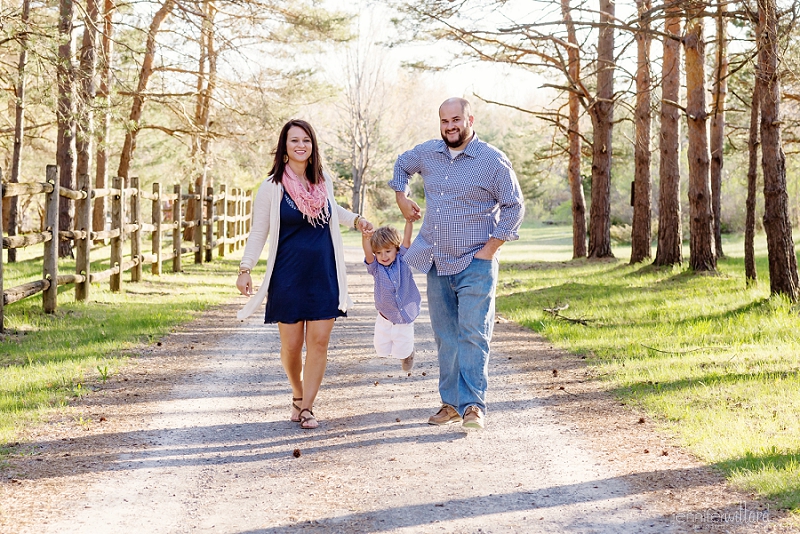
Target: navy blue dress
[303,286]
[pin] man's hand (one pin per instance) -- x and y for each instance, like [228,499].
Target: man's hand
[490,249]
[408,207]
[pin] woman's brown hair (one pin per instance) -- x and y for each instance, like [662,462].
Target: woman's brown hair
[313,169]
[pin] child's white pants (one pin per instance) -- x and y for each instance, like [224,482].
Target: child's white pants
[393,340]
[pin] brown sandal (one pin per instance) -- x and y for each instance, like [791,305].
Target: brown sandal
[296,407]
[304,420]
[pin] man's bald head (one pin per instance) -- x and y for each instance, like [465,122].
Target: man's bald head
[463,103]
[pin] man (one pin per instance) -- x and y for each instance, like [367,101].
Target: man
[474,205]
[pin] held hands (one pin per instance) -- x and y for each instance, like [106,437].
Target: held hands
[409,208]
[365,227]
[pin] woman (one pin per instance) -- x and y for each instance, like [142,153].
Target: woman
[305,284]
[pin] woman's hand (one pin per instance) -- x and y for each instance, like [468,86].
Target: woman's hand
[244,283]
[365,227]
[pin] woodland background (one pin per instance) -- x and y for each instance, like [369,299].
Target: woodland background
[196,91]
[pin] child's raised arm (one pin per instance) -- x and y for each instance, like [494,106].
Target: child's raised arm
[369,255]
[407,232]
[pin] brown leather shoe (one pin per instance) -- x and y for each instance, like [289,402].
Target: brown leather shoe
[473,418]
[445,415]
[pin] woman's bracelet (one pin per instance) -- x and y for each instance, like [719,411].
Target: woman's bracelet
[355,221]
[244,271]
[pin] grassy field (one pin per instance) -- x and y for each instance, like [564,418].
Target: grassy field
[715,361]
[47,360]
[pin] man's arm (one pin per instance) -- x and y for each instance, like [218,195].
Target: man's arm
[511,204]
[407,164]
[407,233]
[369,255]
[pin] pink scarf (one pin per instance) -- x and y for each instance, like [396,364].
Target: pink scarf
[311,199]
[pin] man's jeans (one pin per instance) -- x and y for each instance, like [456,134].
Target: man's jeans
[461,308]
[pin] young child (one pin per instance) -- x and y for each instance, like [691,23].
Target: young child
[397,298]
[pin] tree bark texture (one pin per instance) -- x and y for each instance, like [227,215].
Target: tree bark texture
[701,217]
[602,113]
[65,116]
[86,90]
[574,138]
[103,132]
[206,82]
[750,273]
[670,234]
[640,232]
[129,146]
[777,226]
[720,92]
[19,128]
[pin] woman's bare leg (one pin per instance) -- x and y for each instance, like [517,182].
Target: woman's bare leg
[292,337]
[318,334]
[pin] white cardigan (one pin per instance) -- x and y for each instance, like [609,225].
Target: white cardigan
[266,223]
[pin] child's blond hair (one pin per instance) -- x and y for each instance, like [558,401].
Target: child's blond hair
[384,237]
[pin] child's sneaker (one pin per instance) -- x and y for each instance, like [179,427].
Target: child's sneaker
[408,363]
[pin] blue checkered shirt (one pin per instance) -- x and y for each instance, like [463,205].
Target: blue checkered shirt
[396,293]
[469,199]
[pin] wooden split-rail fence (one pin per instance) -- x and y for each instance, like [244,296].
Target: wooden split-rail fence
[223,226]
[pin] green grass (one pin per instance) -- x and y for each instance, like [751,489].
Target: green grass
[715,361]
[48,360]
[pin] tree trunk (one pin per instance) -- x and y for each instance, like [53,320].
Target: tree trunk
[356,200]
[640,233]
[198,166]
[65,116]
[206,82]
[602,112]
[670,233]
[574,138]
[750,272]
[86,90]
[129,146]
[360,149]
[701,217]
[19,127]
[718,124]
[780,245]
[101,172]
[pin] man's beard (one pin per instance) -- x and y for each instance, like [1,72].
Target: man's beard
[462,136]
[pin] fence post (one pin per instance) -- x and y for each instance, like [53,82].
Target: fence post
[136,236]
[198,225]
[239,217]
[177,232]
[50,263]
[222,224]
[248,210]
[231,211]
[155,268]
[117,222]
[2,294]
[83,247]
[209,201]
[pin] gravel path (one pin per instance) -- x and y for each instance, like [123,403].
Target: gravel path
[196,438]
